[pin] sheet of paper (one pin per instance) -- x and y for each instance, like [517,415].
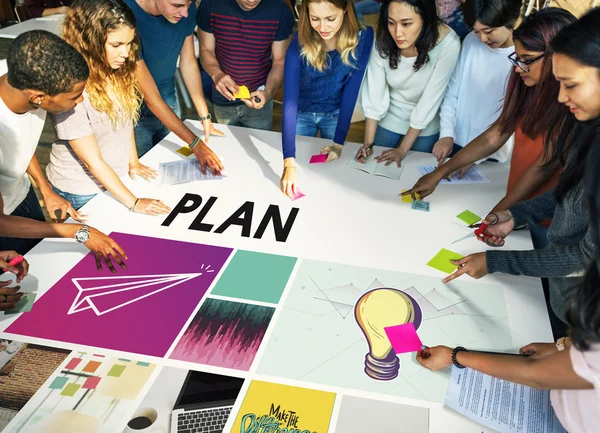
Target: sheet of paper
[501,405]
[441,261]
[468,217]
[474,175]
[391,171]
[420,205]
[172,173]
[24,305]
[367,167]
[318,159]
[404,338]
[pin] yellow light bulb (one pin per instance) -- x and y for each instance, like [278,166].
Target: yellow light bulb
[375,311]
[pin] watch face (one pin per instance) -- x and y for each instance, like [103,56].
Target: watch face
[82,236]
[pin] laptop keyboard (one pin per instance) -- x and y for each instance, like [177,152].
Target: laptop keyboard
[203,421]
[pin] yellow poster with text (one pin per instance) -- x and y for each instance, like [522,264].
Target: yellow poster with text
[273,408]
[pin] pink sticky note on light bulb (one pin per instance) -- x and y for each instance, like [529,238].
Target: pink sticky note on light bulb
[299,195]
[318,159]
[404,338]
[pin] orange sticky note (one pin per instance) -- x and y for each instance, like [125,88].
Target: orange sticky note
[91,366]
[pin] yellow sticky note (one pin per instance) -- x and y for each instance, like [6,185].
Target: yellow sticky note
[185,151]
[406,198]
[284,408]
[244,93]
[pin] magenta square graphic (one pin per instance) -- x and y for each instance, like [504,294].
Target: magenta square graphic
[138,310]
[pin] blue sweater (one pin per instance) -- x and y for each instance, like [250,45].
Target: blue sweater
[336,87]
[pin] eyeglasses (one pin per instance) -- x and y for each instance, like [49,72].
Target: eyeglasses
[523,64]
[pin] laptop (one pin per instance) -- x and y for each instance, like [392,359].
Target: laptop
[204,403]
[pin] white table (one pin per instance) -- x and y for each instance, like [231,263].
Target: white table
[347,217]
[50,23]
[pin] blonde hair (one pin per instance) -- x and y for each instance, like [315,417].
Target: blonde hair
[86,27]
[312,45]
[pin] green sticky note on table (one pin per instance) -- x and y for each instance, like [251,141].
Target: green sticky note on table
[441,261]
[24,305]
[468,217]
[116,370]
[70,390]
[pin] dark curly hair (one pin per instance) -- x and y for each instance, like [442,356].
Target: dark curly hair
[40,60]
[386,45]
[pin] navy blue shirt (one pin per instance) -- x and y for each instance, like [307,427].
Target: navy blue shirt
[161,43]
[243,39]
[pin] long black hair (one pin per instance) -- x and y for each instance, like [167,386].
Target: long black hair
[492,13]
[386,45]
[581,42]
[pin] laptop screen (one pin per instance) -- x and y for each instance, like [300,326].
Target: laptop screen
[208,390]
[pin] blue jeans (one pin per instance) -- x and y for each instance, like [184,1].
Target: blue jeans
[387,138]
[149,129]
[366,7]
[29,208]
[76,200]
[308,124]
[242,115]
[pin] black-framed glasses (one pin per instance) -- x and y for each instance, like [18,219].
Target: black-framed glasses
[523,64]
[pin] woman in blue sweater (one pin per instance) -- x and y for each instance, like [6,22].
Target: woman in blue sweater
[324,67]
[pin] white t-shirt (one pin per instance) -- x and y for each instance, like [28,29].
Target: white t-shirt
[19,137]
[475,93]
[401,98]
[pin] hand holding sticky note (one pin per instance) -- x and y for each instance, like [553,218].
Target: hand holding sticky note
[404,338]
[243,93]
[299,195]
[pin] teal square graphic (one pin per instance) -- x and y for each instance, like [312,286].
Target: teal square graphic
[255,276]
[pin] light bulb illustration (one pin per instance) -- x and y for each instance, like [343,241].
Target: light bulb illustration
[375,311]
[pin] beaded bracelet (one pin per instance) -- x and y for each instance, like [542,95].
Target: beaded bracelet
[193,143]
[454,352]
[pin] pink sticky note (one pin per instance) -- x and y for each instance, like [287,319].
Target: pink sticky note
[73,363]
[318,159]
[404,338]
[91,383]
[299,195]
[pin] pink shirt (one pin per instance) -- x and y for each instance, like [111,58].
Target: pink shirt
[579,410]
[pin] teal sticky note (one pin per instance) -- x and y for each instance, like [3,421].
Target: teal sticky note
[70,390]
[116,370]
[468,217]
[441,261]
[255,276]
[420,205]
[59,382]
[24,305]
[143,364]
[124,360]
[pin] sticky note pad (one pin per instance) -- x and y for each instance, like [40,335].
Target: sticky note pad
[185,151]
[70,390]
[468,217]
[91,366]
[420,205]
[441,261]
[404,338]
[318,159]
[91,383]
[116,370]
[406,198]
[73,363]
[299,195]
[244,93]
[24,305]
[59,382]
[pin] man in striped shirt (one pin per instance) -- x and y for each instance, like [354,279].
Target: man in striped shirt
[243,43]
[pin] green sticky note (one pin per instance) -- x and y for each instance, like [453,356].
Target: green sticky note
[24,305]
[255,276]
[468,217]
[70,390]
[116,370]
[441,261]
[59,382]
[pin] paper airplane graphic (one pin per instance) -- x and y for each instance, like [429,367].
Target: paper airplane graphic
[106,294]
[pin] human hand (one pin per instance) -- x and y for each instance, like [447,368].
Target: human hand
[460,173]
[62,10]
[9,296]
[333,152]
[150,206]
[424,186]
[474,265]
[500,224]
[538,350]
[435,358]
[363,153]
[288,179]
[208,159]
[392,155]
[226,86]
[209,129]
[258,99]
[55,202]
[105,248]
[442,149]
[19,270]
[141,170]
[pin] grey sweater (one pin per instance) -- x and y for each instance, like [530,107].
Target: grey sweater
[569,251]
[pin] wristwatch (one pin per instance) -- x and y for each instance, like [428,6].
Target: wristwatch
[203,118]
[560,344]
[82,235]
